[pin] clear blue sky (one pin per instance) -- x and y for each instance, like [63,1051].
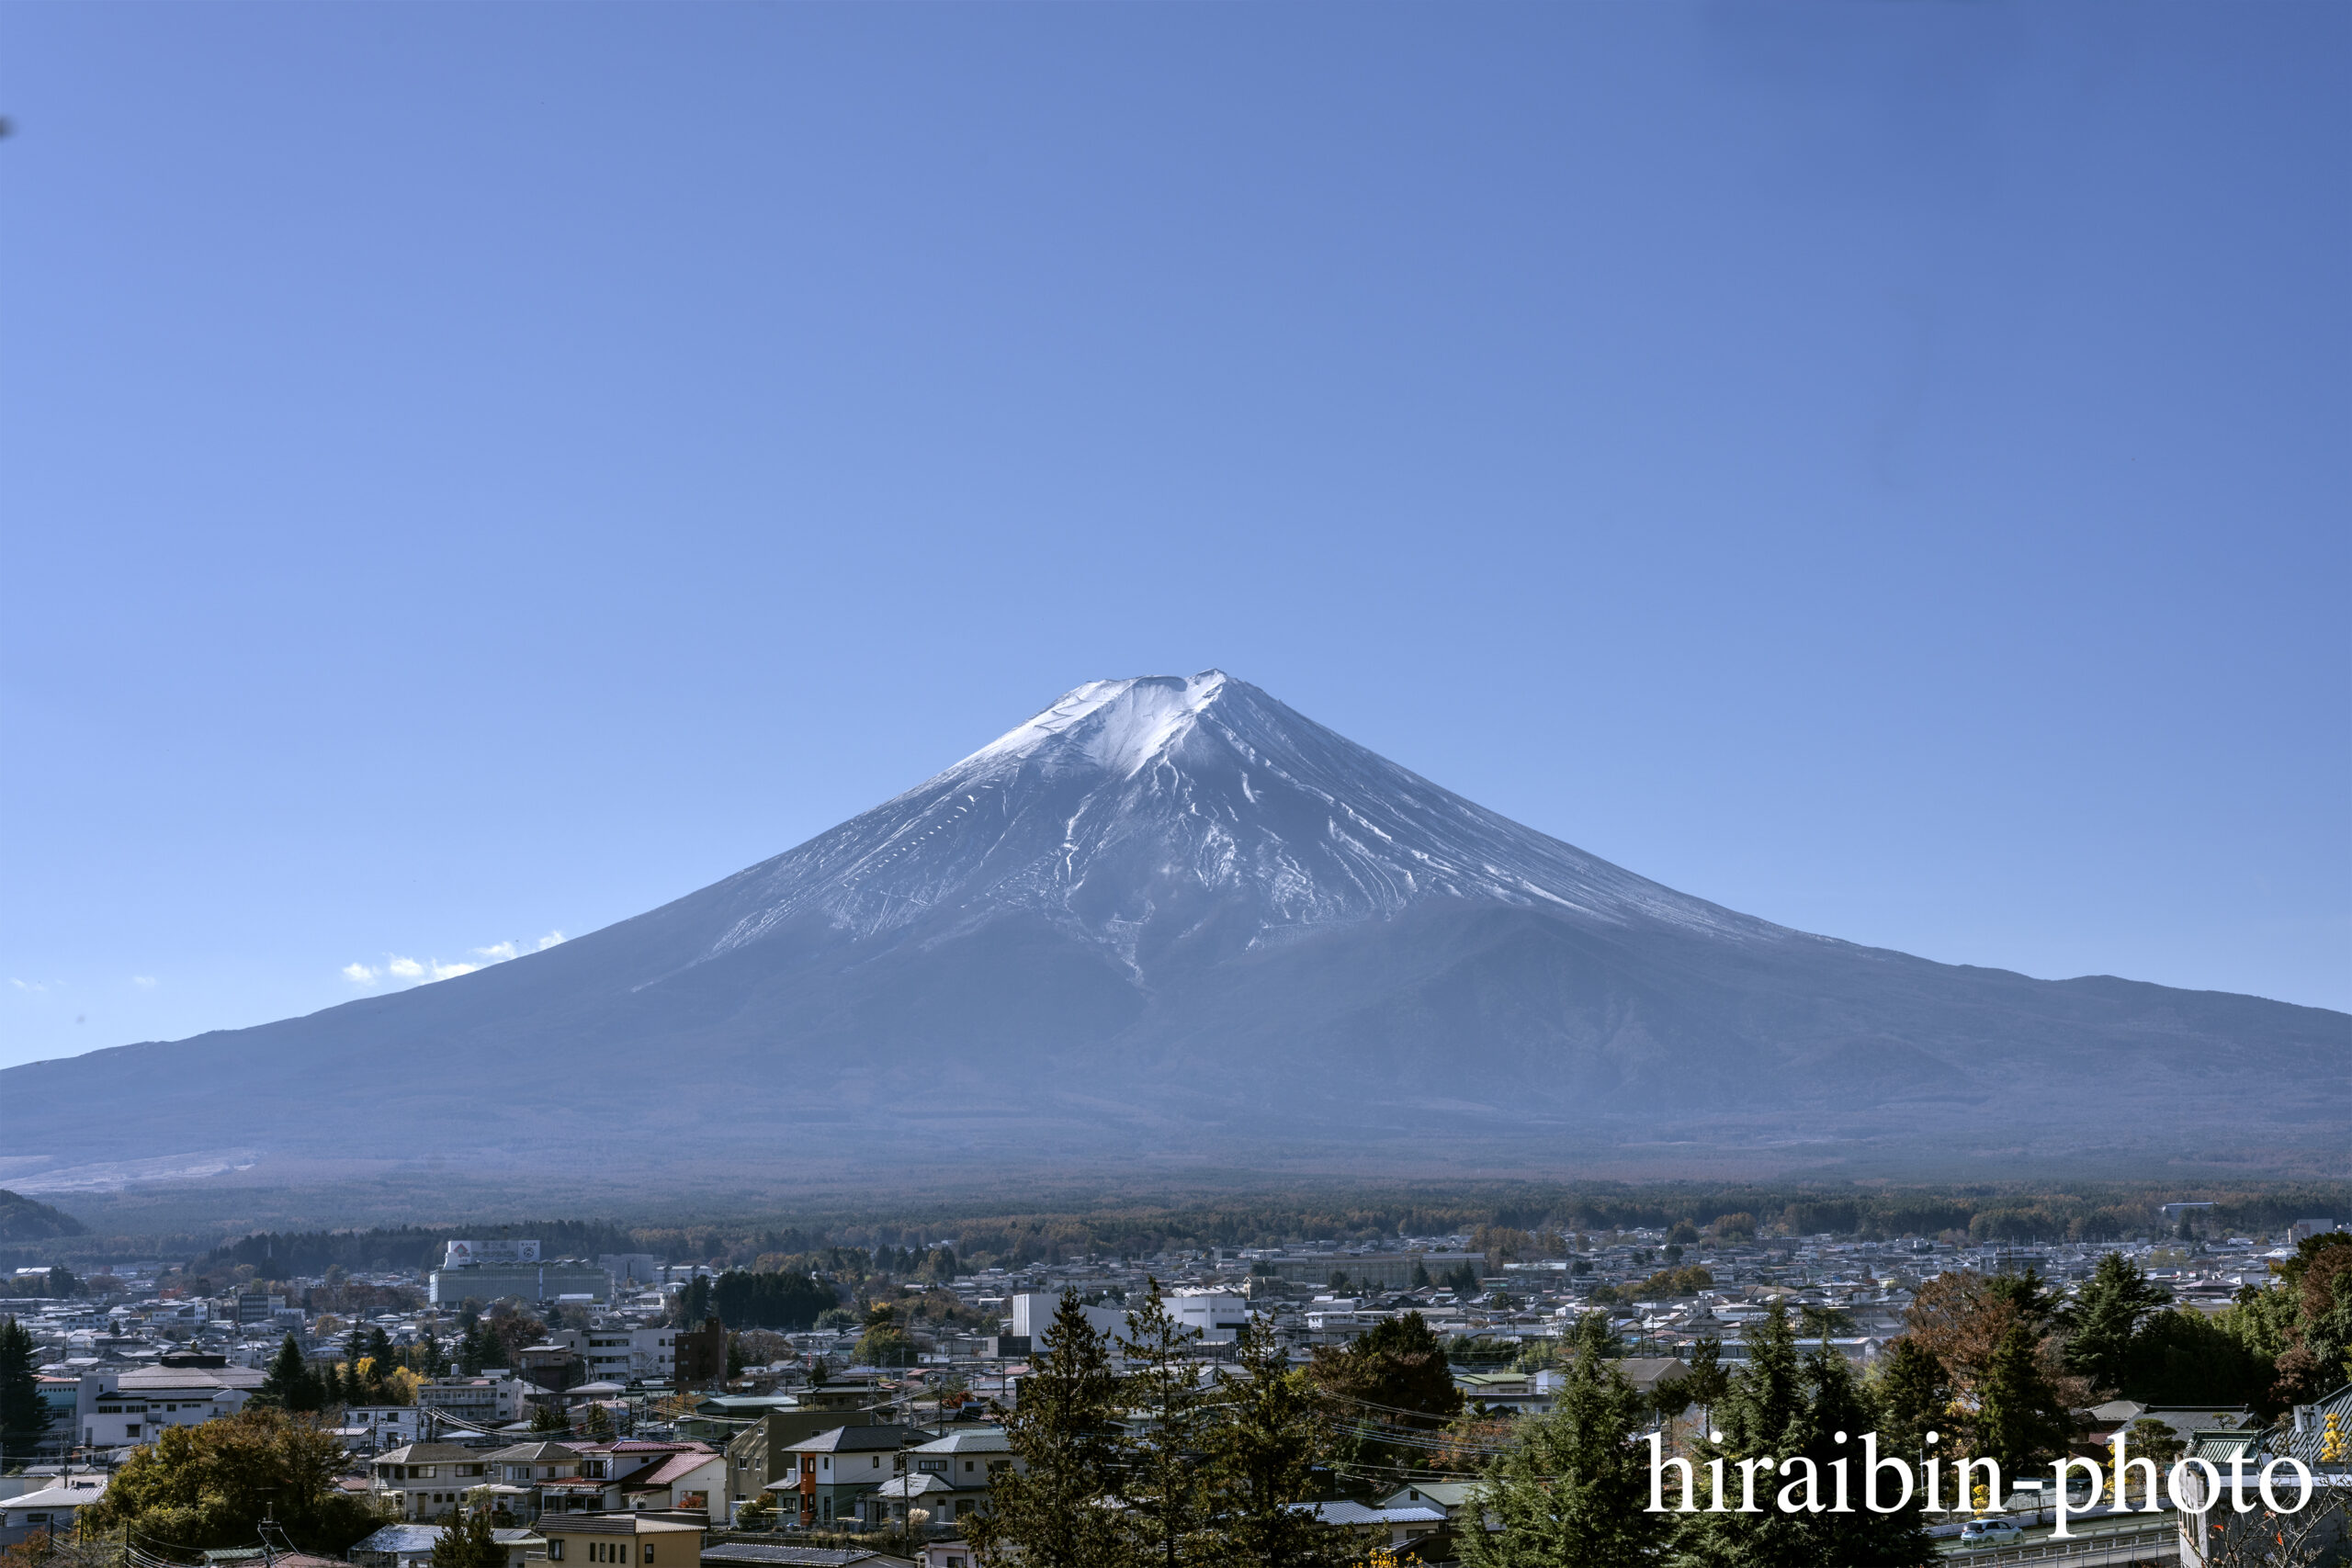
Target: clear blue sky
[471,472]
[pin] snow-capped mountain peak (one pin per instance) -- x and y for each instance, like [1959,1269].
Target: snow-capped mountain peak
[1167,804]
[1117,726]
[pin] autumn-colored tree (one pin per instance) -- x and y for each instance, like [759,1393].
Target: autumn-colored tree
[1963,1317]
[2317,1358]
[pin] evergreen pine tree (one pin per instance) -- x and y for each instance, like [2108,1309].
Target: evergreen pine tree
[1914,1396]
[693,1302]
[1262,1457]
[473,1354]
[288,1385]
[2020,1419]
[465,1541]
[1789,1409]
[331,1388]
[1059,1514]
[1163,1480]
[1574,1488]
[25,1416]
[1707,1381]
[1838,1410]
[380,1353]
[2107,1319]
[2037,1307]
[353,1384]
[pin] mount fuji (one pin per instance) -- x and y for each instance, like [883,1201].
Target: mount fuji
[1171,916]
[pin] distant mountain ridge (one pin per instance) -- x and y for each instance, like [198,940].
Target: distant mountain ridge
[1172,915]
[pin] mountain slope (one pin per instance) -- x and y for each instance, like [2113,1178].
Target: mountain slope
[1173,915]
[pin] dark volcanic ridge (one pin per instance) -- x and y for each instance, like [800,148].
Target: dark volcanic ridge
[1171,916]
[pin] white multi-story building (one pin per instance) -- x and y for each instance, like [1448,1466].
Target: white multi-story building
[631,1355]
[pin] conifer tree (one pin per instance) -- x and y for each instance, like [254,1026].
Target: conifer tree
[465,1541]
[1914,1396]
[289,1385]
[1393,1376]
[2108,1320]
[1061,1513]
[1163,1480]
[1573,1489]
[693,1302]
[25,1416]
[2020,1419]
[1706,1382]
[1839,1409]
[1262,1457]
[473,1353]
[1790,1410]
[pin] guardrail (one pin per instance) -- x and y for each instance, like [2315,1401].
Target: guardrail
[2108,1548]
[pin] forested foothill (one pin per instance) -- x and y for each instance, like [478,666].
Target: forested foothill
[1252,1214]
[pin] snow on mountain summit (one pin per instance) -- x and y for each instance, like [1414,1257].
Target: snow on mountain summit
[1165,804]
[1119,725]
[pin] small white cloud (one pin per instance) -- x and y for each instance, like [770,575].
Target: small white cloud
[145,982]
[409,971]
[35,987]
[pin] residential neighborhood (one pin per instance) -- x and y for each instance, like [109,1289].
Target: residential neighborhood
[591,1447]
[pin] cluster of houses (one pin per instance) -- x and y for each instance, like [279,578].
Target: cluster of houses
[687,1464]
